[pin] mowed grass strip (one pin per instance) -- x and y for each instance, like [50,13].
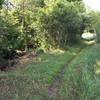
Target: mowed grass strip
[32,80]
[81,79]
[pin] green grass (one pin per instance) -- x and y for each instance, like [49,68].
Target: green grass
[80,81]
[33,79]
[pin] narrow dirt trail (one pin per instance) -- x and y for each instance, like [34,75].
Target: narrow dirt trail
[53,88]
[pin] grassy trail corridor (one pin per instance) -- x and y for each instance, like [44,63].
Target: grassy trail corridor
[52,90]
[58,75]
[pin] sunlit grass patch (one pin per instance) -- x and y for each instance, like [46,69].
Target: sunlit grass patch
[57,51]
[97,67]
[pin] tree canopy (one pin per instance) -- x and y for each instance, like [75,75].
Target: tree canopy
[41,23]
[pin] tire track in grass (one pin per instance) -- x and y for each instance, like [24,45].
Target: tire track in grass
[53,88]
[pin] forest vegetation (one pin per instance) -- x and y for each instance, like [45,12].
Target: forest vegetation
[42,53]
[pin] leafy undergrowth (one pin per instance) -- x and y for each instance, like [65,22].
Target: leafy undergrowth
[31,81]
[81,79]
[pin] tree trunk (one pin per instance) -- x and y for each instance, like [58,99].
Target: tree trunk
[65,40]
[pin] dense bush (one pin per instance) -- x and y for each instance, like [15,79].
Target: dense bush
[38,24]
[62,20]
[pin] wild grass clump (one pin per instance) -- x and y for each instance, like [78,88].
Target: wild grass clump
[80,81]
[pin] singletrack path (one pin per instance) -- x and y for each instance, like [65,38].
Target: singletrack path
[53,88]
